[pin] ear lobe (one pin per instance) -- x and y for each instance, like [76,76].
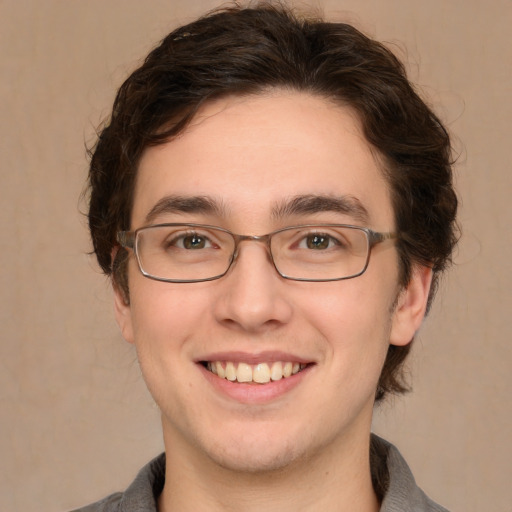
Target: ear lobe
[123,314]
[411,306]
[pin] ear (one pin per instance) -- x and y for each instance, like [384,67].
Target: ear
[122,310]
[411,306]
[123,314]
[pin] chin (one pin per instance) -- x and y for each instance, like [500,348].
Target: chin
[254,460]
[262,451]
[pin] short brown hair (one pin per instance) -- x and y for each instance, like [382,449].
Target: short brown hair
[243,51]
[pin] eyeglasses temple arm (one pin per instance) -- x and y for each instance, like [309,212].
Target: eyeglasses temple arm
[126,238]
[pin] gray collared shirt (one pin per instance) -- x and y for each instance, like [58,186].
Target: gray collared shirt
[402,493]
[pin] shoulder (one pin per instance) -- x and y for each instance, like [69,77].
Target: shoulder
[108,504]
[402,493]
[142,494]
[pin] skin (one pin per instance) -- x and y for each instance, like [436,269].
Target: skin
[306,448]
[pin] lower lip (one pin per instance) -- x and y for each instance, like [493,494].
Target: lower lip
[254,393]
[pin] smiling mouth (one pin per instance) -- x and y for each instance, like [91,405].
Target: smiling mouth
[261,373]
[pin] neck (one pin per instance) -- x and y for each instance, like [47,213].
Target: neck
[338,480]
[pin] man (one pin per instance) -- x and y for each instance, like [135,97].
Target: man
[274,205]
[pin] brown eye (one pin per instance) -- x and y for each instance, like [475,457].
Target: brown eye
[194,242]
[318,241]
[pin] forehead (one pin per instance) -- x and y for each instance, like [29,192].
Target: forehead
[252,155]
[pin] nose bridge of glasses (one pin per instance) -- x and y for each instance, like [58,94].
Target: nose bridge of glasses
[251,238]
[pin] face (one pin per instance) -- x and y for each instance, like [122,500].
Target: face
[251,157]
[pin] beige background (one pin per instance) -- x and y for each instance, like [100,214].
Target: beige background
[76,421]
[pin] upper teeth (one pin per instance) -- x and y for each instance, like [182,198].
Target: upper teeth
[260,373]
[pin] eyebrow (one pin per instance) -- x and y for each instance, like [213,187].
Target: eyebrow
[186,204]
[308,204]
[298,205]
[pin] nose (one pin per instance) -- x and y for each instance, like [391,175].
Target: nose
[252,296]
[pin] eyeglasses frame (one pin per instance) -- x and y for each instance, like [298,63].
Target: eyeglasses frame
[127,239]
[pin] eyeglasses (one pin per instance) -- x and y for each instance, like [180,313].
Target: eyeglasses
[188,253]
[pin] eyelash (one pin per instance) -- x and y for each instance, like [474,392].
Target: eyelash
[177,238]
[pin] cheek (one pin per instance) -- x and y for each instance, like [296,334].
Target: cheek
[166,312]
[359,306]
[166,320]
[354,318]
